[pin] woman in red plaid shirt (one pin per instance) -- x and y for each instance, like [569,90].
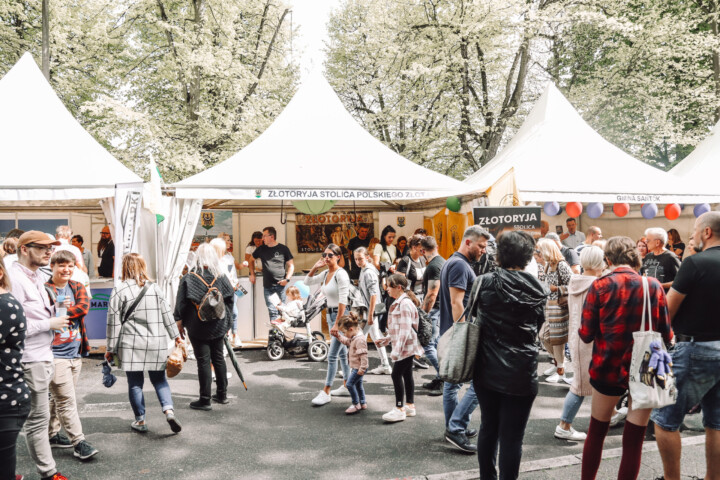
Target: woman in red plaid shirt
[612,312]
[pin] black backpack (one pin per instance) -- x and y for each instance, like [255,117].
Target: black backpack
[212,304]
[424,330]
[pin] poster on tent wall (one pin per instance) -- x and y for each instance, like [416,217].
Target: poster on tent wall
[128,202]
[315,232]
[499,219]
[211,224]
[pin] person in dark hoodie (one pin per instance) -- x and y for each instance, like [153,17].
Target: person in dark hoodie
[206,337]
[511,309]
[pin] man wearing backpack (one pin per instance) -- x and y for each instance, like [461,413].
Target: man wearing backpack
[456,280]
[277,268]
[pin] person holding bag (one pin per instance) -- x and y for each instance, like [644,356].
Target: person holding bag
[613,311]
[139,322]
[509,307]
[206,334]
[556,275]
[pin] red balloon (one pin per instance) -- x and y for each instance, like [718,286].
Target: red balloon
[574,209]
[672,211]
[621,209]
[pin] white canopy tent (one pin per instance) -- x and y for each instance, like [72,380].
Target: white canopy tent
[701,168]
[315,150]
[46,154]
[557,156]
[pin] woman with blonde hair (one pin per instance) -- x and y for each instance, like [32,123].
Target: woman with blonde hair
[554,335]
[593,264]
[139,323]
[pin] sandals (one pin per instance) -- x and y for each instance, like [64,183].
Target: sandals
[138,427]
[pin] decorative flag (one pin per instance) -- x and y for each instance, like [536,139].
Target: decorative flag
[504,192]
[153,194]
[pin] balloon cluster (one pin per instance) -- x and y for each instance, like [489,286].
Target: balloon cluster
[649,211]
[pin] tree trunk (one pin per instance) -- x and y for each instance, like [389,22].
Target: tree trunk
[46,39]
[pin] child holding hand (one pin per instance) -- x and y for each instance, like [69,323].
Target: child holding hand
[358,359]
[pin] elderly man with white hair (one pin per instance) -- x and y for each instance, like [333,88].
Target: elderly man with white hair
[659,262]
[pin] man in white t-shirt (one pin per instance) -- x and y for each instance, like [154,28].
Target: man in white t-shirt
[63,234]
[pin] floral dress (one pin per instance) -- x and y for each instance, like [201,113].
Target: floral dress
[556,313]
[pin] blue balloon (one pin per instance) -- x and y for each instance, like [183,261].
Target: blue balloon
[594,210]
[649,210]
[304,289]
[551,208]
[701,208]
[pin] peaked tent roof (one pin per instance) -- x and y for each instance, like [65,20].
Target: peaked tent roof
[702,166]
[316,150]
[557,156]
[46,153]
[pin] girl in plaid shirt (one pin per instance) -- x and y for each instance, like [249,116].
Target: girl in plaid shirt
[402,325]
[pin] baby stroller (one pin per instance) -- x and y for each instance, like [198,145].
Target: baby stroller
[310,343]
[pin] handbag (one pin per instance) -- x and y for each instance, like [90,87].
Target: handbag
[644,391]
[457,347]
[176,360]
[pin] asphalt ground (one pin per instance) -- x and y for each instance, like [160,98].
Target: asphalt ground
[272,431]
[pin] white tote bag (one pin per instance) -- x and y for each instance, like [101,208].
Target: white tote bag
[644,389]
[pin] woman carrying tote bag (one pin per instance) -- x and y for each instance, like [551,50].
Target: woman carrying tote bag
[612,312]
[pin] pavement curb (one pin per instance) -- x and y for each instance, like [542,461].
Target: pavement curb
[549,463]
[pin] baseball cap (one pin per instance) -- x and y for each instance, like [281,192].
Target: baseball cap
[36,237]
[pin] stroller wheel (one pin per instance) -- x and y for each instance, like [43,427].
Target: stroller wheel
[318,351]
[275,351]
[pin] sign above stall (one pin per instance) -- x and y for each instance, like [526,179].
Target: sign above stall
[499,219]
[336,194]
[315,232]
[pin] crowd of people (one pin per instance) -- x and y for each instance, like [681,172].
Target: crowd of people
[576,295]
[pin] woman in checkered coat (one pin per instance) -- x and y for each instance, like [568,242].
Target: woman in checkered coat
[140,341]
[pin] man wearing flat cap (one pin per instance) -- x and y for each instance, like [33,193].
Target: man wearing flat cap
[28,287]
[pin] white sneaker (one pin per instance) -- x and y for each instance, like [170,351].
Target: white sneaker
[567,379]
[618,417]
[229,375]
[550,370]
[191,356]
[571,435]
[341,391]
[409,411]
[321,399]
[394,415]
[555,378]
[381,370]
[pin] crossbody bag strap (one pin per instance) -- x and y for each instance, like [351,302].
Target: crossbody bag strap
[135,304]
[647,311]
[474,294]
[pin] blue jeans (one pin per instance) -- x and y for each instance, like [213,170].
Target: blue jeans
[135,389]
[570,407]
[354,384]
[458,413]
[696,366]
[267,291]
[431,349]
[337,350]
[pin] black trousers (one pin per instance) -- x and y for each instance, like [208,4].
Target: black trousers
[209,352]
[11,423]
[402,377]
[503,421]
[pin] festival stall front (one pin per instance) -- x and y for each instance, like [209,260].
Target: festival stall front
[56,173]
[556,159]
[315,175]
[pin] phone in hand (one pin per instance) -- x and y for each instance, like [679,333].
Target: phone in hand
[559,229]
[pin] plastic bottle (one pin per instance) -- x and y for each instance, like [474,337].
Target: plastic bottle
[60,308]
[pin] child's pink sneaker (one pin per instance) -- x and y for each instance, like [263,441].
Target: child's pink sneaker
[363,406]
[353,409]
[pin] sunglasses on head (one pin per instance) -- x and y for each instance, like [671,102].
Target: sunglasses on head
[328,255]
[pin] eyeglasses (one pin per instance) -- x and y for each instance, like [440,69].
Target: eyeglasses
[328,255]
[47,248]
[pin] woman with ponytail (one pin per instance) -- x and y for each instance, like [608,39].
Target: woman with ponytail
[402,326]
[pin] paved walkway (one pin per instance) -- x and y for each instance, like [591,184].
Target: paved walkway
[272,431]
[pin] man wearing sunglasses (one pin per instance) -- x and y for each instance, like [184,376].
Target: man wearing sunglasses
[277,268]
[28,287]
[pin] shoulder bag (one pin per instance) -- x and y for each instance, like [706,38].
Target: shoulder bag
[457,348]
[644,390]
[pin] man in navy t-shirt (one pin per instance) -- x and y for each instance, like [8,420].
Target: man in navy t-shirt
[456,281]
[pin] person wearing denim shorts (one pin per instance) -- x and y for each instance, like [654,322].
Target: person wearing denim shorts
[692,301]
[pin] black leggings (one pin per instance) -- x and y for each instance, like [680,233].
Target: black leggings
[402,377]
[503,419]
[10,426]
[209,352]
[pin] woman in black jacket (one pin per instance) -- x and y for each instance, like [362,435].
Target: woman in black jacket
[511,310]
[206,336]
